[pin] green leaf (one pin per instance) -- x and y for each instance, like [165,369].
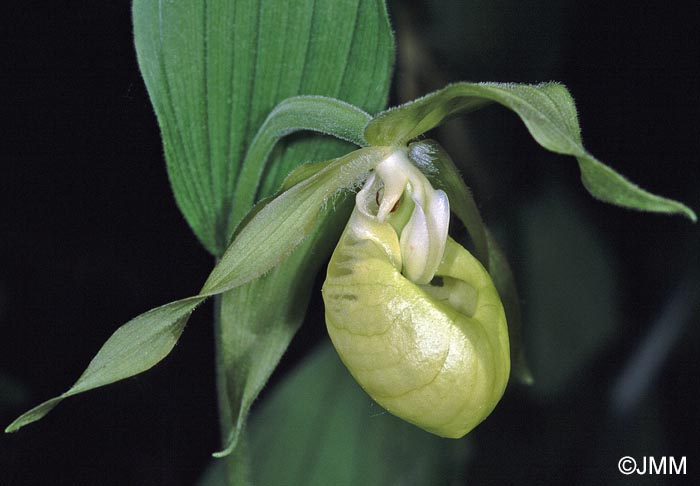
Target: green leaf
[548,112]
[215,69]
[318,427]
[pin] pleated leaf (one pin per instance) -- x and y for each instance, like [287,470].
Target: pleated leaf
[548,112]
[214,69]
[319,428]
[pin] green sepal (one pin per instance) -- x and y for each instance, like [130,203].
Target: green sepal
[134,348]
[318,114]
[548,112]
[503,279]
[268,238]
[298,175]
[282,224]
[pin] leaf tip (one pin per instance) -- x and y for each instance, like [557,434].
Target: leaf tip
[683,210]
[33,415]
[524,375]
[231,442]
[24,419]
[690,214]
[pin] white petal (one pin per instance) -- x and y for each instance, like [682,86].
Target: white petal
[438,222]
[415,247]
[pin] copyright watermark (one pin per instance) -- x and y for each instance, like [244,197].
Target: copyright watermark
[664,465]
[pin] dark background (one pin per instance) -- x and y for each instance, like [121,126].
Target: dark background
[90,236]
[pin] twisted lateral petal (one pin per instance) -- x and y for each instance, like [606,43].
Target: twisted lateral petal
[424,236]
[415,240]
[438,221]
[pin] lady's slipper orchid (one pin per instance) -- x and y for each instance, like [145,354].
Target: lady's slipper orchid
[419,322]
[413,315]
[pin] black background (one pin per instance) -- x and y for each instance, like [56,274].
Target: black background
[90,235]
